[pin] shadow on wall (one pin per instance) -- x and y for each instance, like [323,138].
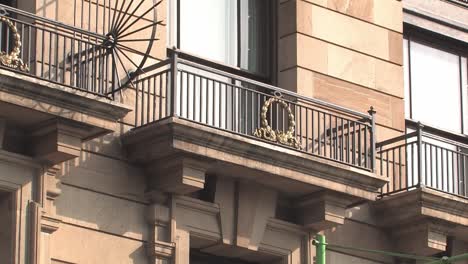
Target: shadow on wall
[103,194]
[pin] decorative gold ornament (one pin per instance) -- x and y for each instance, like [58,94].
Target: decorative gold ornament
[266,132]
[12,59]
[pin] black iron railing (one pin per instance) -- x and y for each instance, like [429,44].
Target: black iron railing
[56,52]
[199,91]
[425,157]
[96,61]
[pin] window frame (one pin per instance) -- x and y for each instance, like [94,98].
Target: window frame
[173,33]
[443,43]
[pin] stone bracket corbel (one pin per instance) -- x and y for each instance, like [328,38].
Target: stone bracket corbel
[322,210]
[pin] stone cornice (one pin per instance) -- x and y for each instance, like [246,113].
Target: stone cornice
[423,202]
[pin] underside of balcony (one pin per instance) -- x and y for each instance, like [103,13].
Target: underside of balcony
[49,121]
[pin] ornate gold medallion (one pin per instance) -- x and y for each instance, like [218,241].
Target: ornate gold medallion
[266,132]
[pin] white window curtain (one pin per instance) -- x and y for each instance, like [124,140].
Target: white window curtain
[208,28]
[434,88]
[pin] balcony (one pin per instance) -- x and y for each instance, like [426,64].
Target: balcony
[55,87]
[195,118]
[427,171]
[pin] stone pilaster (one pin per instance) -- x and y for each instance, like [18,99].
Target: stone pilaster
[160,249]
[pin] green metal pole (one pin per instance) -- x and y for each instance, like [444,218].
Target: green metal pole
[320,247]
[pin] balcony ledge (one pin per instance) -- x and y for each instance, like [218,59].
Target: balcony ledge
[424,217]
[423,202]
[204,150]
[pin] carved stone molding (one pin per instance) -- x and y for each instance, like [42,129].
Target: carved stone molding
[50,222]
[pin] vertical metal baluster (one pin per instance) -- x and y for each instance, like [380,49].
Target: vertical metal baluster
[50,55]
[1,37]
[148,100]
[201,100]
[101,72]
[259,109]
[181,99]
[393,169]
[207,106]
[335,147]
[366,157]
[142,101]
[342,141]
[412,162]
[86,69]
[359,145]
[246,121]
[431,167]
[79,65]
[437,166]
[137,87]
[312,122]
[194,105]
[252,113]
[426,179]
[30,46]
[399,167]
[454,190]
[324,135]
[354,143]
[381,162]
[64,54]
[72,61]
[233,108]
[168,93]
[330,129]
[348,129]
[387,167]
[160,100]
[189,98]
[95,67]
[156,102]
[464,168]
[7,44]
[213,106]
[318,134]
[22,46]
[307,130]
[42,54]
[448,173]
[56,57]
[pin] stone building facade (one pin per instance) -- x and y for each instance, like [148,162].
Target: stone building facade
[232,131]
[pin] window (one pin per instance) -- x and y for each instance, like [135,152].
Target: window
[436,94]
[436,86]
[236,33]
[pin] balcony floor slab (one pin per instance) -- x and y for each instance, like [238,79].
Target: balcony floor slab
[224,153]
